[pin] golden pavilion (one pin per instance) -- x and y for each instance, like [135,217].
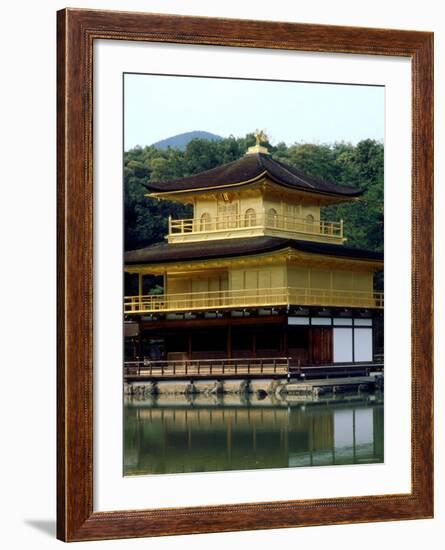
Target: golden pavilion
[256,273]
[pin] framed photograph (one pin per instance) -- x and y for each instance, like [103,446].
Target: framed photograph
[245,230]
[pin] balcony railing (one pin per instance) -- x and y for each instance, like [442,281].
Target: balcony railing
[207,367]
[245,367]
[302,227]
[261,297]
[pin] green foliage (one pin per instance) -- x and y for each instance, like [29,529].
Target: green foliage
[360,166]
[146,218]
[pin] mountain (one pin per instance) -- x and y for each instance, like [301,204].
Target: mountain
[180,141]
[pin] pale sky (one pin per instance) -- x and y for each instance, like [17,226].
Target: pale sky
[157,107]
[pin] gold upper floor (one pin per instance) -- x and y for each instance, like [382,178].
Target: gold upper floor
[277,279]
[257,211]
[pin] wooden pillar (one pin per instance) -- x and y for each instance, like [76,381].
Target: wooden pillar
[229,342]
[135,348]
[190,350]
[140,284]
[285,342]
[139,346]
[310,344]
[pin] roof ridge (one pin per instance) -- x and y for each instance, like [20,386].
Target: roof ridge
[218,167]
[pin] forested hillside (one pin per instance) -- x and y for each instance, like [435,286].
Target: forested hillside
[360,165]
[180,141]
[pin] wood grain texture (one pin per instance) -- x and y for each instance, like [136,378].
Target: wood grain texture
[77,30]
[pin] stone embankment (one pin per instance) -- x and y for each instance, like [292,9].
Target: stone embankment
[259,387]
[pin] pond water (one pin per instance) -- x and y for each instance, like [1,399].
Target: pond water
[173,434]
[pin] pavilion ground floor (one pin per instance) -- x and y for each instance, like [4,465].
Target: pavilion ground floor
[253,338]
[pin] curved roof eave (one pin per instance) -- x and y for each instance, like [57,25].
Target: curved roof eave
[311,191]
[249,169]
[232,248]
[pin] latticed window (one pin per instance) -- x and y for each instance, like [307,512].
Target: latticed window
[272,217]
[227,214]
[250,217]
[205,222]
[292,210]
[292,217]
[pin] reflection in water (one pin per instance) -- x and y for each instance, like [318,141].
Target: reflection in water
[174,434]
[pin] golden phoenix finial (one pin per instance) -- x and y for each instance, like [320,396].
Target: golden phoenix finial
[260,136]
[258,148]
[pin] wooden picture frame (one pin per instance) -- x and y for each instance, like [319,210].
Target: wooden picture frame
[77,31]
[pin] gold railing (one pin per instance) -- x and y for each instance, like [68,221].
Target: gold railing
[333,230]
[261,297]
